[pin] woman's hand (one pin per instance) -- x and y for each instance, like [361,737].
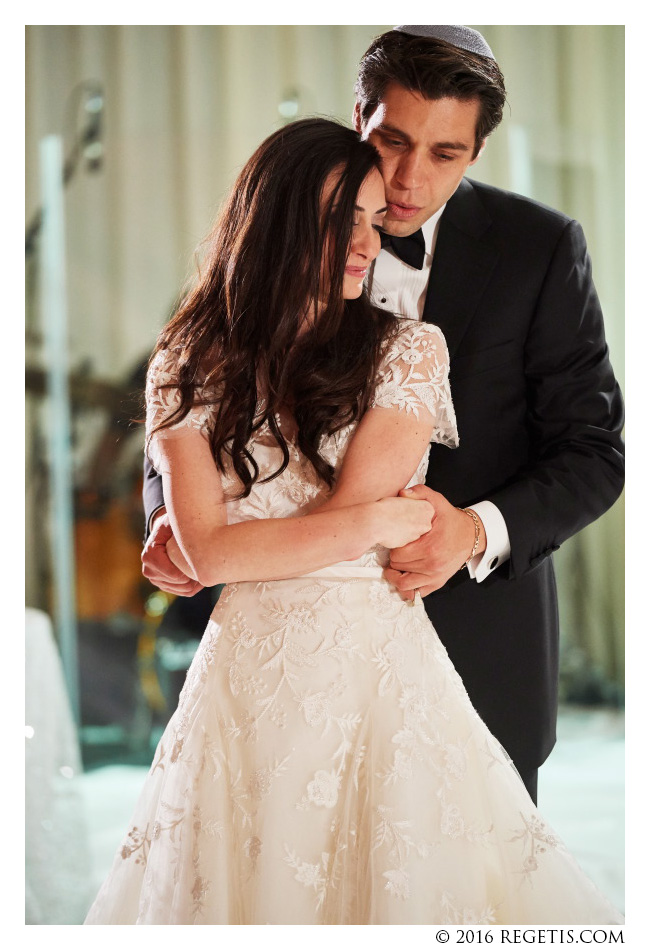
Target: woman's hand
[402,518]
[178,559]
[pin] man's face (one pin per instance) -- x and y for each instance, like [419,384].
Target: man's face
[425,146]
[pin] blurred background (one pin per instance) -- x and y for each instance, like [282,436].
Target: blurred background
[148,127]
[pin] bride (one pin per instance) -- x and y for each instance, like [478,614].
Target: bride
[324,765]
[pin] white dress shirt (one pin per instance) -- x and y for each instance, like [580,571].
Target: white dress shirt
[398,287]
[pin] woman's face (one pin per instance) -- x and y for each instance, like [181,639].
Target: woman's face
[369,214]
[370,208]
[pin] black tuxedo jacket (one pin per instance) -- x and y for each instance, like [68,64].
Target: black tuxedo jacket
[539,417]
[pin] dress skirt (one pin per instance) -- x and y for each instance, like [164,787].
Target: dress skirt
[325,766]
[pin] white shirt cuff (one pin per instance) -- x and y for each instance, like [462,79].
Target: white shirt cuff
[498,541]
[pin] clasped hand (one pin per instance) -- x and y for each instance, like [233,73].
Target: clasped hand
[426,564]
[156,564]
[440,548]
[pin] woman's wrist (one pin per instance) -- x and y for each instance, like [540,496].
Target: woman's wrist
[178,559]
[364,527]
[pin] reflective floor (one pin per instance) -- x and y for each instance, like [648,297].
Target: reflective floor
[581,794]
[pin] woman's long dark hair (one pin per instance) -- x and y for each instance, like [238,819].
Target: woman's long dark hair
[236,333]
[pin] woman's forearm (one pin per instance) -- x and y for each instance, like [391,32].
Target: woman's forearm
[216,552]
[178,559]
[272,549]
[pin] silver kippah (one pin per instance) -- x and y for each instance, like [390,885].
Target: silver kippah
[461,36]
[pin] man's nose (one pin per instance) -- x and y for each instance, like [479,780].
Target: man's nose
[410,170]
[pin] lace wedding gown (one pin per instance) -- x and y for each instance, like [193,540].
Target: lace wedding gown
[325,764]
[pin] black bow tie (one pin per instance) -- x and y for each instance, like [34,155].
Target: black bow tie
[409,249]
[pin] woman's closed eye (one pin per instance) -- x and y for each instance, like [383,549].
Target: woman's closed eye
[377,221]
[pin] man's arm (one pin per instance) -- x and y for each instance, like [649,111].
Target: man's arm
[152,495]
[574,415]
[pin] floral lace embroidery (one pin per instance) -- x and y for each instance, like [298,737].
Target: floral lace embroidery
[138,842]
[536,839]
[395,837]
[468,916]
[310,875]
[163,398]
[414,376]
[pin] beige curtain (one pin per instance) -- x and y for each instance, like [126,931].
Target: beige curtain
[186,105]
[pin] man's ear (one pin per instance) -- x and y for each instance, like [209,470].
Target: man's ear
[356,118]
[480,152]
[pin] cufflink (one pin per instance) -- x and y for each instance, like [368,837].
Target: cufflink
[493,563]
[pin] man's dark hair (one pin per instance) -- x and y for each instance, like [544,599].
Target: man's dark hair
[436,70]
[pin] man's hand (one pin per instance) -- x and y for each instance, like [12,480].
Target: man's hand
[156,565]
[427,564]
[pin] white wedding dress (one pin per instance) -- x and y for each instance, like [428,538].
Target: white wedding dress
[325,764]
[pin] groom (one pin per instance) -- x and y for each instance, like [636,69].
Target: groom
[539,411]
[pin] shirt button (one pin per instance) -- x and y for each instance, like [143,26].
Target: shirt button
[383,300]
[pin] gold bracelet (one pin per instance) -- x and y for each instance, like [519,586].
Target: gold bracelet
[477,532]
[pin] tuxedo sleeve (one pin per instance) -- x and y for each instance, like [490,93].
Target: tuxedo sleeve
[152,493]
[574,414]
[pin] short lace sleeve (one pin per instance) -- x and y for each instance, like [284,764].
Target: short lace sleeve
[414,377]
[162,399]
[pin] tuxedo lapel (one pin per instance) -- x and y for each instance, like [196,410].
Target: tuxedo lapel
[462,264]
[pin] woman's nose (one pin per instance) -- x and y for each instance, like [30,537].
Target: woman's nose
[366,242]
